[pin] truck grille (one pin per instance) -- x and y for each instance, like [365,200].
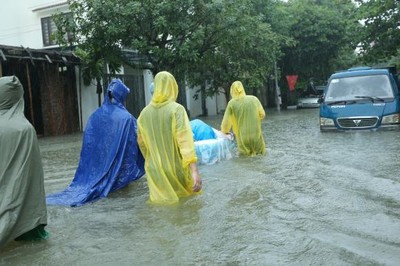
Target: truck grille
[358,122]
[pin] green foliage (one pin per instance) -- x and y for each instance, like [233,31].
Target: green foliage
[90,69]
[196,40]
[380,35]
[245,50]
[322,34]
[220,41]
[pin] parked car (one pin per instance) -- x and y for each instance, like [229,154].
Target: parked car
[310,99]
[361,98]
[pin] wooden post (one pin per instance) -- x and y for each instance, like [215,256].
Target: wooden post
[28,77]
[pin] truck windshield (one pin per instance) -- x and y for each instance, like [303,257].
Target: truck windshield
[359,87]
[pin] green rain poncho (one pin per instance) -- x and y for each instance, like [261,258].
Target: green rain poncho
[166,142]
[23,211]
[244,114]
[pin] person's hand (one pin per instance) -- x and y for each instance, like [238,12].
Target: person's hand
[229,136]
[196,177]
[225,135]
[196,181]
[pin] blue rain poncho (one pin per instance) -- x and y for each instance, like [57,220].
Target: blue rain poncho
[166,141]
[202,131]
[243,115]
[23,212]
[110,158]
[211,145]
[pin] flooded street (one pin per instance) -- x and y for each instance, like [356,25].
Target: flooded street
[314,199]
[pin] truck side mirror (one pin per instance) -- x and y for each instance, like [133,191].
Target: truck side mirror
[321,99]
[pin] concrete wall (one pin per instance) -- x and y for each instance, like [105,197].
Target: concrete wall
[215,105]
[194,106]
[87,100]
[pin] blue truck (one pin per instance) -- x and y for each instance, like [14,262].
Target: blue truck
[361,98]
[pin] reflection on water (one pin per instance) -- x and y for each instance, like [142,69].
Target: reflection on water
[314,199]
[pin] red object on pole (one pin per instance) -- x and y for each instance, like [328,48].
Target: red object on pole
[292,80]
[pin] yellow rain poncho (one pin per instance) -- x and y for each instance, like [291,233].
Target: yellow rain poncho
[166,141]
[244,114]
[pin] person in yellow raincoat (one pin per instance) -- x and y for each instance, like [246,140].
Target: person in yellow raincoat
[165,139]
[243,115]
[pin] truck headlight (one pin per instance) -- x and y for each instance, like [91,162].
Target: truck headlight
[326,121]
[391,119]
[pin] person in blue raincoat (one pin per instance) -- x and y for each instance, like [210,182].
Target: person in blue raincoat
[110,157]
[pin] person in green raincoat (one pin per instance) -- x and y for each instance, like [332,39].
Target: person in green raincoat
[23,212]
[165,139]
[243,115]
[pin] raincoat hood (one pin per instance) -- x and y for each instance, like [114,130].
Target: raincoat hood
[119,91]
[11,92]
[165,89]
[237,90]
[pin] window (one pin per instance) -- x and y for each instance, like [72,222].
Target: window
[49,29]
[359,87]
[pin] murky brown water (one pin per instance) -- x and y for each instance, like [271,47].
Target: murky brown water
[314,199]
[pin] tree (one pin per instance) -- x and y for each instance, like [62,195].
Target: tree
[320,30]
[245,49]
[193,39]
[380,34]
[95,46]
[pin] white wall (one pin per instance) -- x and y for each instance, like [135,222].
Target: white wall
[20,21]
[87,99]
[194,106]
[215,104]
[148,79]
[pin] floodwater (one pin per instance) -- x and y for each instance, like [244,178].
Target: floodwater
[314,199]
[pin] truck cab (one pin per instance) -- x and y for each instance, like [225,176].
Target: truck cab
[361,98]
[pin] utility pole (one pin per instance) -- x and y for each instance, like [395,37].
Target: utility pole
[278,99]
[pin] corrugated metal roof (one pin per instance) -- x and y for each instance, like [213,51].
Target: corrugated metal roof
[50,56]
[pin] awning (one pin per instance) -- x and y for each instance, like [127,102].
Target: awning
[25,53]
